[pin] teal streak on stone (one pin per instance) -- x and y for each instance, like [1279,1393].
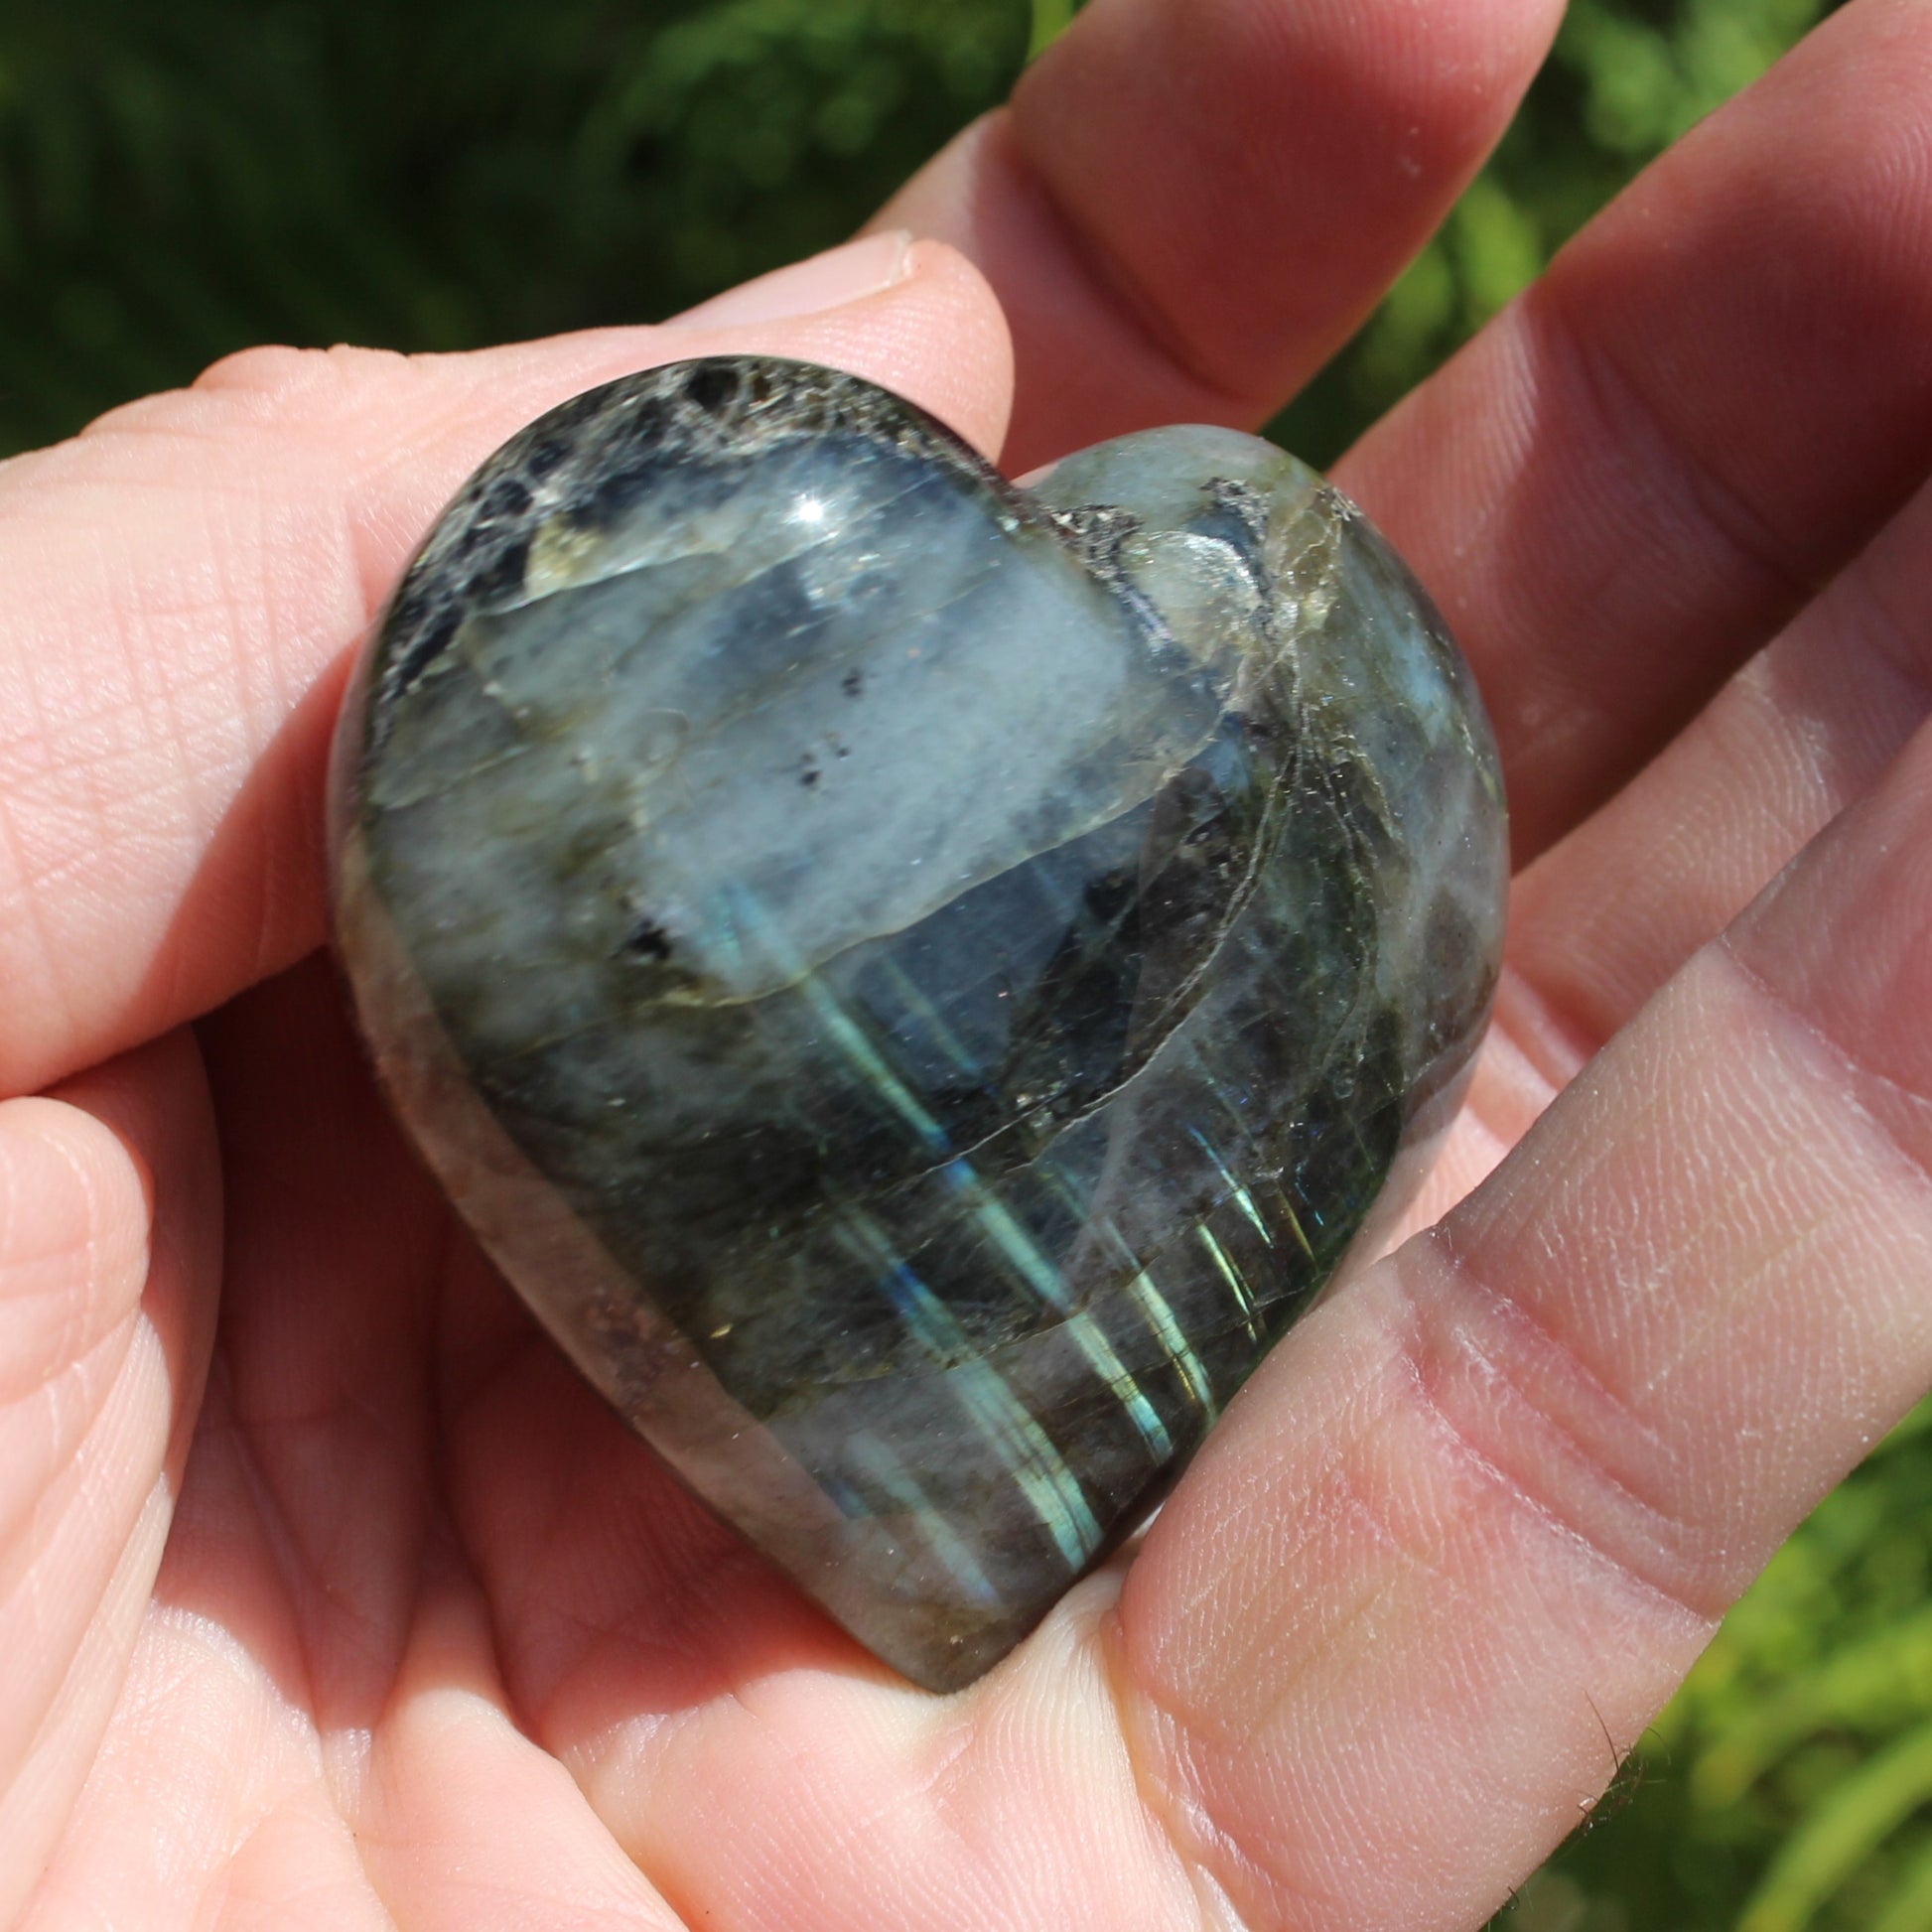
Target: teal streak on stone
[918,982]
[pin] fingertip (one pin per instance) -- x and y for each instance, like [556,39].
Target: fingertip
[138,1230]
[75,1215]
[935,335]
[1191,203]
[109,1232]
[109,1204]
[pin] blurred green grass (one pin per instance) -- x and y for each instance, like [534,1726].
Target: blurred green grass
[432,174]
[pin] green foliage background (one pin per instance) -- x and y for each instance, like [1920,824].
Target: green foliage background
[178,182]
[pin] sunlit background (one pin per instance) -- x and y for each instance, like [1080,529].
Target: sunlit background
[180,181]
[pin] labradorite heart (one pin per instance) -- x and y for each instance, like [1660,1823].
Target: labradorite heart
[916,981]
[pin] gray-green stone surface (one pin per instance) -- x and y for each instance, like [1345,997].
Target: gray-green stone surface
[918,982]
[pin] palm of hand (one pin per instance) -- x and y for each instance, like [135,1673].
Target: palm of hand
[433,1641]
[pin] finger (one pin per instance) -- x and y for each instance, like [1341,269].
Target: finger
[818,1805]
[1192,202]
[297,1608]
[453,1817]
[1484,1508]
[1599,921]
[1710,401]
[1604,918]
[184,582]
[110,1252]
[467,1824]
[267,1656]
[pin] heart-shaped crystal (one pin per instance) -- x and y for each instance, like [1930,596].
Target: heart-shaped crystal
[916,981]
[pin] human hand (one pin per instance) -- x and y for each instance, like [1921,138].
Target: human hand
[339,1600]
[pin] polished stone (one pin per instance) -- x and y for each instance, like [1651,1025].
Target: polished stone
[918,982]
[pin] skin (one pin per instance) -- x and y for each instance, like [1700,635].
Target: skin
[329,1597]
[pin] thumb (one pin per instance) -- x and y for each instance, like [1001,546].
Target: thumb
[185,581]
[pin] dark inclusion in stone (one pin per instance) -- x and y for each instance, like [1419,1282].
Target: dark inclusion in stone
[916,981]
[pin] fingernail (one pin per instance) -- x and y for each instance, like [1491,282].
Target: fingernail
[828,281]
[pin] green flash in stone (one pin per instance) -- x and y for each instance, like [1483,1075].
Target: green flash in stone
[916,981]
